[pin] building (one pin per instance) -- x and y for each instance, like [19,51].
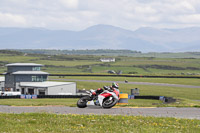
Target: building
[23,72]
[28,78]
[48,88]
[2,83]
[107,59]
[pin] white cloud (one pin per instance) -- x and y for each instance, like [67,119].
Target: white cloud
[79,14]
[73,4]
[188,19]
[7,19]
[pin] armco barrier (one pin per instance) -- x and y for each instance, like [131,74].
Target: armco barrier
[163,98]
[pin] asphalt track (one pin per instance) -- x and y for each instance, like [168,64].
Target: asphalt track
[188,113]
[137,83]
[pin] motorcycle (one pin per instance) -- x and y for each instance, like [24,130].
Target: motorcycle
[106,99]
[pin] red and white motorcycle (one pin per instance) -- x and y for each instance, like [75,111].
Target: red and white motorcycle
[106,99]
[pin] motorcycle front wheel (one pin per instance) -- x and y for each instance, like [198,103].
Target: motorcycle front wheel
[82,102]
[109,103]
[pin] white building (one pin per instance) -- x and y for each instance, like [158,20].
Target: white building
[48,88]
[2,83]
[107,59]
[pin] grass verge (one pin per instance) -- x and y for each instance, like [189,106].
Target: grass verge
[36,122]
[72,102]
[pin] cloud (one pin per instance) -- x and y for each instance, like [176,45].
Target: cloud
[8,19]
[80,14]
[72,4]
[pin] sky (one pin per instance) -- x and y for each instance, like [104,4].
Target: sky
[77,15]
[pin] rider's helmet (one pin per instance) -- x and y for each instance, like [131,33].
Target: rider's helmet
[115,85]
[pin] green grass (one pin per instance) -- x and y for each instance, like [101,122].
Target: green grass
[45,123]
[72,102]
[177,92]
[183,81]
[39,102]
[68,63]
[158,103]
[186,97]
[91,64]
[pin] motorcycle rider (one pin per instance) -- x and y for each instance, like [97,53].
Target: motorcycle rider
[113,88]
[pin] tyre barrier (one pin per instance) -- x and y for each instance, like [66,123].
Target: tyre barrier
[162,98]
[10,97]
[123,99]
[44,96]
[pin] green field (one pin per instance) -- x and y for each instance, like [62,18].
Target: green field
[91,64]
[183,81]
[40,102]
[84,64]
[45,123]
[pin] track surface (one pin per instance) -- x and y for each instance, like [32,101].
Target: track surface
[189,113]
[138,83]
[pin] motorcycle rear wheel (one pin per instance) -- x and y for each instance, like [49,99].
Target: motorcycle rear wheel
[107,103]
[82,102]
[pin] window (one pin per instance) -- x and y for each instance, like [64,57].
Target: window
[36,69]
[38,79]
[34,78]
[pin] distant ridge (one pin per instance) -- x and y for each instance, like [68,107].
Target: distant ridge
[144,39]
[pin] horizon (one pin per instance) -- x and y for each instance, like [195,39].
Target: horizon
[138,52]
[164,28]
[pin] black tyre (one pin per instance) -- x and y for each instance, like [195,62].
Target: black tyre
[107,103]
[82,102]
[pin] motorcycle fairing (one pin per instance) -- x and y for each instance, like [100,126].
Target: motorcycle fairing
[106,94]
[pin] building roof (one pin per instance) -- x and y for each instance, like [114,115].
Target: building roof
[43,84]
[30,72]
[24,64]
[2,79]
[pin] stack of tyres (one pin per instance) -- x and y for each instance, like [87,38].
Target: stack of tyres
[123,99]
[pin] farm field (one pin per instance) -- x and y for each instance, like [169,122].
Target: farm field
[69,64]
[35,122]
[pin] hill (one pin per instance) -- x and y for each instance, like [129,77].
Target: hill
[102,37]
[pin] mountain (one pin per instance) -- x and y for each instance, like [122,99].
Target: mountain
[145,39]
